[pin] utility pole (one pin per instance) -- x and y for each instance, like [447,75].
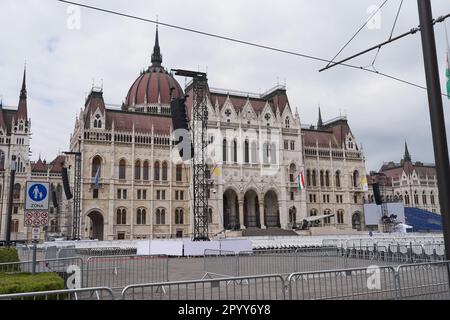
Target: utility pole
[12,177]
[436,115]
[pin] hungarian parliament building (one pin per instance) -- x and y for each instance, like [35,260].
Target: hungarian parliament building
[268,173]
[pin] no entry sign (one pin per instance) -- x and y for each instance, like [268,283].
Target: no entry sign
[36,218]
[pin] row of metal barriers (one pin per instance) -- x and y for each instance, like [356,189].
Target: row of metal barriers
[427,281]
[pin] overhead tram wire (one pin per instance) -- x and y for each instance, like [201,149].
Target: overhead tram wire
[357,32]
[306,56]
[392,32]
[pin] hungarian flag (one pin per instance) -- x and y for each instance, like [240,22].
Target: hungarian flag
[447,70]
[301,181]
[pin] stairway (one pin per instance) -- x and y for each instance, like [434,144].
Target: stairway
[256,232]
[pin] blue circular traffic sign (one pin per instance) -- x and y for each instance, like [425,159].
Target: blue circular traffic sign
[37,192]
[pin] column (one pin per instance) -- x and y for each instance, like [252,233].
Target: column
[261,211]
[241,214]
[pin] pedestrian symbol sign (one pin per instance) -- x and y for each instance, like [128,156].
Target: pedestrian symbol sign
[37,195]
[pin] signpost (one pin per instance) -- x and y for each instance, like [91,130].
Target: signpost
[36,211]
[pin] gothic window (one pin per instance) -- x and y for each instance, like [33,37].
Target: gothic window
[141,216]
[122,169]
[322,182]
[156,171]
[96,166]
[287,123]
[137,170]
[179,216]
[338,179]
[121,217]
[246,152]
[16,191]
[355,179]
[424,198]
[224,150]
[2,160]
[179,173]
[235,151]
[327,178]
[308,178]
[313,213]
[210,215]
[254,152]
[340,217]
[164,171]
[160,216]
[314,178]
[146,171]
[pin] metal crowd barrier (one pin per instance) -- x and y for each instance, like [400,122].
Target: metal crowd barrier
[269,287]
[119,271]
[75,294]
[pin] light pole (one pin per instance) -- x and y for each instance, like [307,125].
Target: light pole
[12,177]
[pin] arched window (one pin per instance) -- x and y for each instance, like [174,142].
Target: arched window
[273,153]
[340,217]
[96,166]
[322,181]
[179,173]
[424,198]
[122,169]
[266,153]
[254,152]
[327,178]
[313,213]
[160,216]
[156,172]
[16,191]
[432,198]
[338,179]
[407,199]
[416,198]
[356,179]
[53,226]
[137,170]
[308,178]
[287,123]
[235,151]
[314,178]
[210,215]
[246,152]
[179,216]
[146,171]
[121,217]
[15,226]
[327,220]
[224,150]
[2,160]
[164,171]
[292,172]
[141,216]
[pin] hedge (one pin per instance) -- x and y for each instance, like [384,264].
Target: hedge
[9,255]
[26,282]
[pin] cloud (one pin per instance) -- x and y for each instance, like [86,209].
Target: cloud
[62,64]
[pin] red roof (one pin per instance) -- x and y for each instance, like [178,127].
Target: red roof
[123,121]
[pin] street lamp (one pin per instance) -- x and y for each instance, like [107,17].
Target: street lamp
[11,198]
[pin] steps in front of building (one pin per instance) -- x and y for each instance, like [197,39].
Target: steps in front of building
[255,232]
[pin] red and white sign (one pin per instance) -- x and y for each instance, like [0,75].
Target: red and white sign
[36,218]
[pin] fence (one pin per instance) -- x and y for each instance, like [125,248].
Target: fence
[52,265]
[119,271]
[76,294]
[270,287]
[416,281]
[224,263]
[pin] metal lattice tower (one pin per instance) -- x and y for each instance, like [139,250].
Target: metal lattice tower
[200,143]
[76,196]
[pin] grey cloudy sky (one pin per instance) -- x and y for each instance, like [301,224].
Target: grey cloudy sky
[61,62]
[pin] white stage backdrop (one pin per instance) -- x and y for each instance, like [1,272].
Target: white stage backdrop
[373,214]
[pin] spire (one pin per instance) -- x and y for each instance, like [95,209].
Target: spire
[23,91]
[407,156]
[156,55]
[320,122]
[22,110]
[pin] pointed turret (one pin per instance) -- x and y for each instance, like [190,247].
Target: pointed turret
[22,110]
[320,122]
[156,55]
[407,156]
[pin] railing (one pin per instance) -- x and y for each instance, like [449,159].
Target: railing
[269,287]
[102,293]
